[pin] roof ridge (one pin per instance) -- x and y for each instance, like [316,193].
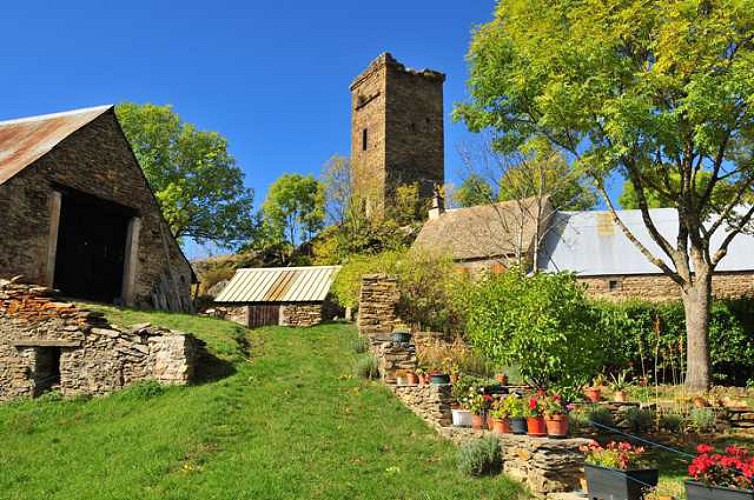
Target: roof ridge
[50,116]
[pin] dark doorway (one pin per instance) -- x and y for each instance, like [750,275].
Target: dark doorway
[91,248]
[46,375]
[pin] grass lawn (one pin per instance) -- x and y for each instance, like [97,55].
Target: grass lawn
[288,421]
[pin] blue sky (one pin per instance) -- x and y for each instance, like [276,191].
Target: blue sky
[272,77]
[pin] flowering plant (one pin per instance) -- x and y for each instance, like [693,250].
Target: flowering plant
[478,403]
[508,407]
[535,408]
[732,469]
[615,455]
[555,404]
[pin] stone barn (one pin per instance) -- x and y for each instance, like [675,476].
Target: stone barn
[286,296]
[78,214]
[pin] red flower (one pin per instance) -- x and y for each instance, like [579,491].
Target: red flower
[705,448]
[532,404]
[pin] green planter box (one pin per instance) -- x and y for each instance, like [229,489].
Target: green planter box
[699,491]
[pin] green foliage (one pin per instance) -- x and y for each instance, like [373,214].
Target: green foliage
[702,420]
[672,422]
[473,191]
[142,391]
[480,457]
[639,419]
[360,346]
[722,192]
[200,189]
[600,416]
[347,285]
[544,171]
[542,323]
[367,367]
[650,337]
[294,209]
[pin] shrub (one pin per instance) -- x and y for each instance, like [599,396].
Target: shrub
[639,419]
[367,367]
[480,457]
[542,323]
[360,346]
[455,356]
[601,417]
[702,420]
[347,284]
[672,422]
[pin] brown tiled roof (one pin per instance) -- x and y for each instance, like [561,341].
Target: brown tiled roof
[485,231]
[23,141]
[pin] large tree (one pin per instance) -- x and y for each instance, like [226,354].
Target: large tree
[197,182]
[647,88]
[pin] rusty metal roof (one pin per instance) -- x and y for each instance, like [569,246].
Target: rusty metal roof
[25,140]
[279,284]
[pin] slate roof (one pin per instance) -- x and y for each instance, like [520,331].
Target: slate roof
[590,244]
[23,141]
[484,231]
[279,285]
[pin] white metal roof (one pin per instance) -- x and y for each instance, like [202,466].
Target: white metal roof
[279,284]
[590,244]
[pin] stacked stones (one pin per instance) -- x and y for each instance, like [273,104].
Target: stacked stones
[301,315]
[94,356]
[430,402]
[547,466]
[377,303]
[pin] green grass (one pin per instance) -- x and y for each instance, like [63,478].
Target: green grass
[290,421]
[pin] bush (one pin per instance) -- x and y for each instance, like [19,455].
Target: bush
[651,338]
[702,420]
[480,457]
[360,346]
[672,422]
[601,417]
[543,323]
[640,420]
[367,367]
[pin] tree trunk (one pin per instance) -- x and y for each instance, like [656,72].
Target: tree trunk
[696,303]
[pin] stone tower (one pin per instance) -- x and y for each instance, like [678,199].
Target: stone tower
[396,132]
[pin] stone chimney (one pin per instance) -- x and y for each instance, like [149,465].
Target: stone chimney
[438,205]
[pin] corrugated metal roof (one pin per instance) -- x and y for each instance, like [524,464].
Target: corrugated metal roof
[279,284]
[25,140]
[589,244]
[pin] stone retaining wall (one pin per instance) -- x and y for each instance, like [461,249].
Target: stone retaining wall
[46,344]
[430,402]
[545,465]
[301,315]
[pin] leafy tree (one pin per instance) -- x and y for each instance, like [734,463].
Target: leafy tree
[643,88]
[722,194]
[294,209]
[473,191]
[542,323]
[337,183]
[196,181]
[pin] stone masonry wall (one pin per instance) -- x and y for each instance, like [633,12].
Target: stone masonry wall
[95,160]
[377,302]
[301,315]
[731,285]
[95,357]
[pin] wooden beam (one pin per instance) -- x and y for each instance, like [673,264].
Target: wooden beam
[131,261]
[55,203]
[46,343]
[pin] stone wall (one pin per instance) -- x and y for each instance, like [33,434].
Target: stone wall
[728,285]
[377,302]
[301,315]
[547,466]
[430,402]
[397,113]
[49,344]
[96,160]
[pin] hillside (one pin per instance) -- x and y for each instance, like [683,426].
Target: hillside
[283,418]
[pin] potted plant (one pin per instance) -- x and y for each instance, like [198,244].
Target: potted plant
[594,391]
[502,378]
[421,372]
[721,476]
[477,405]
[556,415]
[401,335]
[413,378]
[439,378]
[618,471]
[619,385]
[513,406]
[401,377]
[535,420]
[500,414]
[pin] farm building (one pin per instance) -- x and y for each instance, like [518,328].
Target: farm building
[79,216]
[287,296]
[587,243]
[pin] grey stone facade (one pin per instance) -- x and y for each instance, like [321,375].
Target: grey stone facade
[46,344]
[95,161]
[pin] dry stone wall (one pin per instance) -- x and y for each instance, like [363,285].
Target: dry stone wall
[377,303]
[301,315]
[48,344]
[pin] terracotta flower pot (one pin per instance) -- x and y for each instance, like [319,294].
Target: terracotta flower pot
[477,422]
[620,396]
[557,425]
[502,378]
[502,426]
[413,378]
[536,427]
[593,394]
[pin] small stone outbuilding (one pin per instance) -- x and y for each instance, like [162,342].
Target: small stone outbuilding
[285,296]
[78,214]
[48,344]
